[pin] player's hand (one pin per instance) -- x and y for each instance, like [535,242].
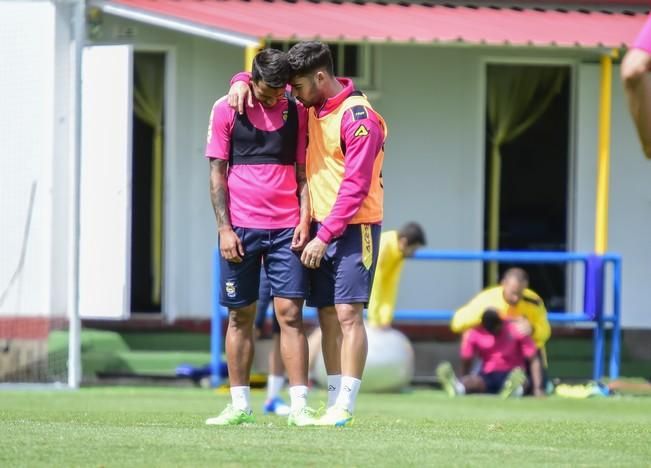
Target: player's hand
[230,245]
[636,64]
[523,325]
[539,393]
[313,253]
[301,236]
[237,94]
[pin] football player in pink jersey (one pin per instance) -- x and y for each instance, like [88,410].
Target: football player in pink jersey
[259,195]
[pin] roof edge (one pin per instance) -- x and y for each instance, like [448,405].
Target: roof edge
[174,24]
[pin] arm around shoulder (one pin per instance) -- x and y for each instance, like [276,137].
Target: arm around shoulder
[635,69]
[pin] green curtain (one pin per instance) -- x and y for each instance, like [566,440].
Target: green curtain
[148,106]
[517,97]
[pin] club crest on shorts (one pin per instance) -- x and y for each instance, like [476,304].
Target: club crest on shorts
[231,289]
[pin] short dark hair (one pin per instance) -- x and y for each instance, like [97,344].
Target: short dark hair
[414,233]
[272,67]
[307,57]
[491,320]
[518,274]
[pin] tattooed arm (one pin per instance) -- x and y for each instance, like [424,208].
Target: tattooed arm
[302,231]
[230,244]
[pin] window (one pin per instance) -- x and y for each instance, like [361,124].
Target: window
[349,60]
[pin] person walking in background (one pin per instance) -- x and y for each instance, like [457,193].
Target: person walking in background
[395,247]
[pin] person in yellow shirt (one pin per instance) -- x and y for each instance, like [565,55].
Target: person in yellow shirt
[514,301]
[395,246]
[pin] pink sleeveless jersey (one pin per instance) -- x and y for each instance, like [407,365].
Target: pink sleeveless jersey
[261,196]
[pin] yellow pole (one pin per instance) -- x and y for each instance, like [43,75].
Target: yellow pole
[157,216]
[249,54]
[494,210]
[603,167]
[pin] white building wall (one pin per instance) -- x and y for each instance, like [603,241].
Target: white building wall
[433,101]
[27,56]
[433,170]
[630,194]
[198,74]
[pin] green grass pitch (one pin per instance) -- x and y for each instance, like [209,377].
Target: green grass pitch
[131,426]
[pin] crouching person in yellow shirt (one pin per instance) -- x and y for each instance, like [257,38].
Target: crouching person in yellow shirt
[395,246]
[515,302]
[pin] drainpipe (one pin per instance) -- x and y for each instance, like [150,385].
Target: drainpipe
[74,321]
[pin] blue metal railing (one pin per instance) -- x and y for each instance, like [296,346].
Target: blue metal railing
[592,313]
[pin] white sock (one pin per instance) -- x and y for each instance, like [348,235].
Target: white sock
[348,392]
[298,397]
[274,384]
[334,383]
[459,388]
[241,397]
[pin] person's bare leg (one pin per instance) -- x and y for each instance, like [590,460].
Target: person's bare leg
[331,350]
[293,343]
[623,386]
[330,340]
[354,345]
[239,344]
[314,348]
[276,379]
[239,357]
[473,384]
[293,348]
[276,366]
[354,348]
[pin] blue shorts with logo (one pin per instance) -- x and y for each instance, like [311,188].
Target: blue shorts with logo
[345,275]
[494,381]
[240,282]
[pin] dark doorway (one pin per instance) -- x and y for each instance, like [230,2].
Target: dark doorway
[534,194]
[147,208]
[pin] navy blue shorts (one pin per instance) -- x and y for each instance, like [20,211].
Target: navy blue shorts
[345,275]
[494,381]
[265,299]
[240,282]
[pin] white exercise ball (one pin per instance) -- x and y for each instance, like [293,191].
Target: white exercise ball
[389,364]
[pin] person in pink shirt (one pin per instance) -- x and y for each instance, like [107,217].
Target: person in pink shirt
[504,351]
[259,195]
[344,170]
[636,76]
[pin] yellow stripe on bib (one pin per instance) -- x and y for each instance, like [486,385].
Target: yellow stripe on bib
[367,246]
